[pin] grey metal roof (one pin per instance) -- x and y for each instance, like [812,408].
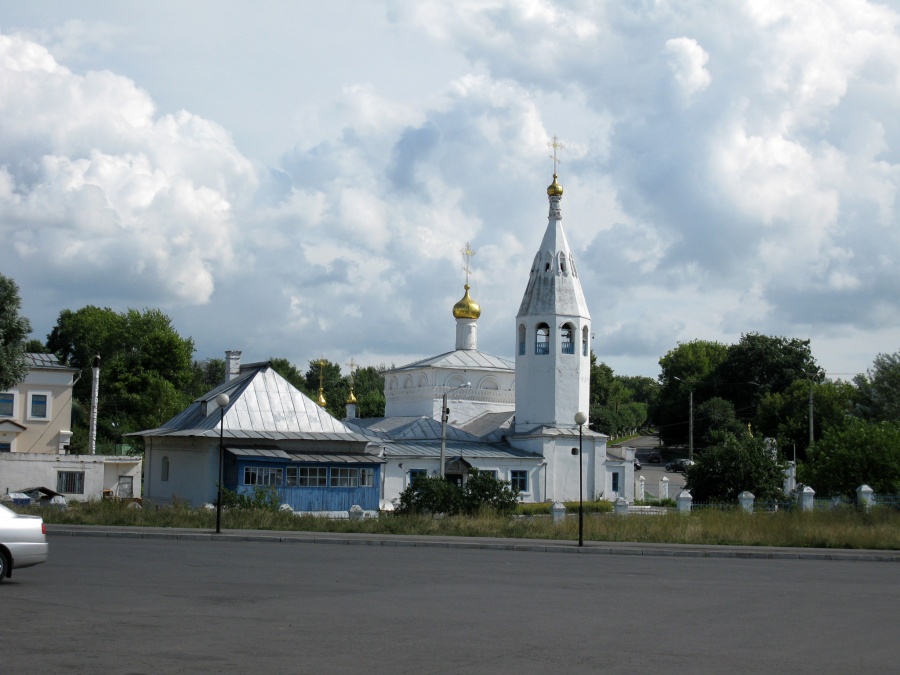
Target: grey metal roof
[263,405]
[306,457]
[410,428]
[34,360]
[490,425]
[457,449]
[461,359]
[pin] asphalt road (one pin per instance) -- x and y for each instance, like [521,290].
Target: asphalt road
[124,605]
[653,472]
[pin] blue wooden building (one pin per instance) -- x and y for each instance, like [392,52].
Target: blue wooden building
[271,436]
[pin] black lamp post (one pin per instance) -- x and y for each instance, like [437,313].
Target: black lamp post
[580,419]
[222,401]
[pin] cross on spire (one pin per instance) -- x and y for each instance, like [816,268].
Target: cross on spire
[556,145]
[468,253]
[352,365]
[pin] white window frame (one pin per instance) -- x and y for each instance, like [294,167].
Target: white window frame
[343,477]
[312,476]
[15,403]
[49,415]
[367,477]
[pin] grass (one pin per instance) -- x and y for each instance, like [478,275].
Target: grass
[843,528]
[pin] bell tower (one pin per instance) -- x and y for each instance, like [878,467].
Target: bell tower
[553,329]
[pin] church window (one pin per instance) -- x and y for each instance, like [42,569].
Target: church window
[547,267]
[518,480]
[567,346]
[367,477]
[522,339]
[416,473]
[615,482]
[165,469]
[542,339]
[584,341]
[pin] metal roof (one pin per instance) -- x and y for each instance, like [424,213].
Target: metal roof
[262,405]
[457,449]
[461,359]
[410,428]
[306,457]
[34,360]
[490,425]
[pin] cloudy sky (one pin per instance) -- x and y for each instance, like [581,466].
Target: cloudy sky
[298,179]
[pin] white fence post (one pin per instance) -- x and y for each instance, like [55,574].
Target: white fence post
[639,489]
[807,498]
[558,511]
[663,488]
[355,512]
[684,500]
[865,496]
[621,506]
[746,500]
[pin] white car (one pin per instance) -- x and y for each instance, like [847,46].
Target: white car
[23,541]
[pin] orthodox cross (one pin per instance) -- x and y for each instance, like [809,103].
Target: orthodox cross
[468,253]
[556,145]
[352,365]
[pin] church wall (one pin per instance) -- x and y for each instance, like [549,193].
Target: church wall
[193,470]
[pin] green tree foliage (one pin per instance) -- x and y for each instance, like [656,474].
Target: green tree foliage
[206,375]
[433,494]
[35,346]
[614,409]
[146,367]
[739,462]
[713,419]
[368,385]
[879,389]
[760,365]
[691,366]
[858,453]
[785,415]
[13,331]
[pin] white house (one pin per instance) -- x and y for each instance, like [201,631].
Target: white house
[35,430]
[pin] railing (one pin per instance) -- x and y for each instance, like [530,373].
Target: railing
[541,347]
[568,347]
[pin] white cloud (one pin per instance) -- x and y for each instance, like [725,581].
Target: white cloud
[688,63]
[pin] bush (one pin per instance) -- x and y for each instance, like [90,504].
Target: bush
[434,494]
[264,498]
[738,463]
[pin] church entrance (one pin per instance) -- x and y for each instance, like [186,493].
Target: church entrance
[456,470]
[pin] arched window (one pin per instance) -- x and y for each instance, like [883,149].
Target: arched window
[567,346]
[542,339]
[407,383]
[521,339]
[423,381]
[164,473]
[584,341]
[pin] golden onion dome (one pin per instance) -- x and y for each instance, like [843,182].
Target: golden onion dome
[466,308]
[351,399]
[555,189]
[321,399]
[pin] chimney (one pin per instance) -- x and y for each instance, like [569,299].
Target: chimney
[232,364]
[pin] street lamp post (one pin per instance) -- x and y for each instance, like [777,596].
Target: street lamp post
[445,413]
[580,419]
[222,401]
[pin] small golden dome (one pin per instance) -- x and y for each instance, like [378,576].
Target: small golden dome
[321,400]
[351,399]
[555,189]
[466,308]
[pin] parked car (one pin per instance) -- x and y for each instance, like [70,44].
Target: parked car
[655,457]
[679,465]
[23,541]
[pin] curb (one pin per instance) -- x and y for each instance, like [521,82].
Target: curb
[592,548]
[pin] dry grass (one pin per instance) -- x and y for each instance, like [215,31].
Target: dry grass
[845,528]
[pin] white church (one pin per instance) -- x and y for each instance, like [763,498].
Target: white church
[514,419]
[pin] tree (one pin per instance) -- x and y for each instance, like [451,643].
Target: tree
[368,385]
[290,373]
[690,367]
[713,419]
[13,331]
[483,491]
[760,365]
[859,453]
[879,390]
[207,374]
[739,462]
[334,387]
[785,415]
[146,366]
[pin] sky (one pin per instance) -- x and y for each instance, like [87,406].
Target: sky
[298,179]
